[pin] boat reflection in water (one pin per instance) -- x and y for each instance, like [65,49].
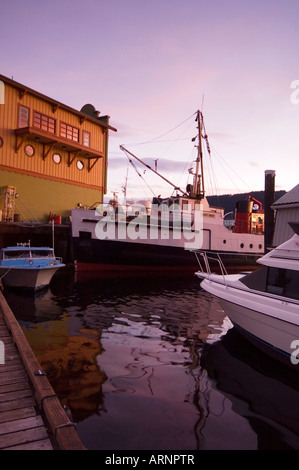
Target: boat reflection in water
[259,388]
[155,364]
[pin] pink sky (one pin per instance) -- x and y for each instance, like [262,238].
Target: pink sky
[148,65]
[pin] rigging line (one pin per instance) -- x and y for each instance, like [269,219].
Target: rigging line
[216,187]
[188,164]
[19,210]
[163,141]
[219,159]
[139,174]
[30,212]
[212,175]
[165,133]
[208,178]
[176,140]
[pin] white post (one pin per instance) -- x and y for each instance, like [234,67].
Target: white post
[2,353]
[2,93]
[53,235]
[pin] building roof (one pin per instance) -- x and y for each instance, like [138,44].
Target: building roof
[101,121]
[291,197]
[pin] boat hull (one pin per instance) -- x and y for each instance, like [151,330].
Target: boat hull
[27,278]
[113,255]
[270,323]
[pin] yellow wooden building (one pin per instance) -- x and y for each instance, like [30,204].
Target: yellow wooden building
[52,157]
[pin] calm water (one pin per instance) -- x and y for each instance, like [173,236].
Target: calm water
[152,364]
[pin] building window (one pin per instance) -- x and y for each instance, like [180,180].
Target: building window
[56,158]
[69,132]
[23,117]
[43,122]
[29,150]
[80,165]
[86,139]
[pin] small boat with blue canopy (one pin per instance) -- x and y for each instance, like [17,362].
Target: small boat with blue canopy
[26,267]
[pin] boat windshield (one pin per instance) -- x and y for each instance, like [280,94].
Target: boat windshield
[278,281]
[42,254]
[17,254]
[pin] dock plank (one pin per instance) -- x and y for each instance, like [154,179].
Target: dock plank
[21,425]
[44,444]
[9,378]
[26,397]
[3,332]
[16,404]
[20,413]
[13,366]
[23,437]
[14,387]
[15,395]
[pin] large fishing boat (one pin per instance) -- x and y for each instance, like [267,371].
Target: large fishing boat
[163,236]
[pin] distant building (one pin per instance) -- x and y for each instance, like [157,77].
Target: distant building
[286,210]
[52,157]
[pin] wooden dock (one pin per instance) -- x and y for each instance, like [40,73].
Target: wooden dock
[31,415]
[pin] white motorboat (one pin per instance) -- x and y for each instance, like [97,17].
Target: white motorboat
[262,304]
[26,267]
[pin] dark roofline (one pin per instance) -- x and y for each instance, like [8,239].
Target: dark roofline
[24,89]
[286,199]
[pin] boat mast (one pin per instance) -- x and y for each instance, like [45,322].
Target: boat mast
[198,190]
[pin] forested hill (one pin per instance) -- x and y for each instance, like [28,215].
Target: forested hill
[228,201]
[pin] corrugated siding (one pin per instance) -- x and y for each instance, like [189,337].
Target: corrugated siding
[8,121]
[283,231]
[36,165]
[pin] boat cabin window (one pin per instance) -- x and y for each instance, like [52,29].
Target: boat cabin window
[278,281]
[185,204]
[42,254]
[16,254]
[257,279]
[283,282]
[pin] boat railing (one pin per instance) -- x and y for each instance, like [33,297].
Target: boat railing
[24,244]
[205,259]
[56,260]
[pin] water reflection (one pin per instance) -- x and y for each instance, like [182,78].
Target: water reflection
[260,389]
[154,364]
